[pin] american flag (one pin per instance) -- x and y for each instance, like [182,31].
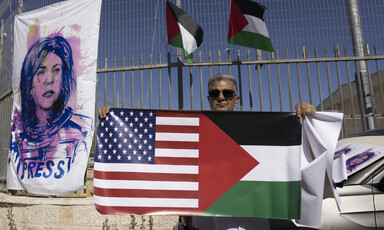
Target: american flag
[146,161]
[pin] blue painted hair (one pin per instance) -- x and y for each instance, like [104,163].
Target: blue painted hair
[358,156]
[33,60]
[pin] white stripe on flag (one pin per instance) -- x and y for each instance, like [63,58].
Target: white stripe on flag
[190,137]
[146,202]
[146,185]
[146,168]
[255,25]
[189,153]
[189,42]
[277,163]
[176,121]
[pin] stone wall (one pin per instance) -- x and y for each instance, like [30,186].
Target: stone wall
[28,212]
[72,211]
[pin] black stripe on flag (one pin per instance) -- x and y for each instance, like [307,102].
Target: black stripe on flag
[259,128]
[251,8]
[187,22]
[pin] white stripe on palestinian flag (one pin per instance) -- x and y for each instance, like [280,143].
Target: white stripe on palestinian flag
[146,202]
[255,25]
[189,42]
[277,163]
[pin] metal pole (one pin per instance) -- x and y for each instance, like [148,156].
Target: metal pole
[123,85]
[20,7]
[358,49]
[150,82]
[1,51]
[160,93]
[240,85]
[105,82]
[114,84]
[169,80]
[180,70]
[132,84]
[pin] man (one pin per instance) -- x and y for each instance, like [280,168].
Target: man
[222,96]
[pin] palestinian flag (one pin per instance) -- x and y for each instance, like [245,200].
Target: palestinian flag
[247,26]
[183,31]
[156,162]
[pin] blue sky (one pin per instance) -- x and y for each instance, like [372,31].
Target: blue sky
[134,28]
[291,24]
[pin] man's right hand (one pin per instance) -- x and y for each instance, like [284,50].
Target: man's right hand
[104,111]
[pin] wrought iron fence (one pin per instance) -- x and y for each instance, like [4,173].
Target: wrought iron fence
[271,83]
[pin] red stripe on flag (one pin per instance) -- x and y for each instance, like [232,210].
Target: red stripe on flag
[176,145]
[172,26]
[237,21]
[113,210]
[176,161]
[145,193]
[144,176]
[176,129]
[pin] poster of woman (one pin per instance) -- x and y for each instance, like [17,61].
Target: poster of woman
[357,155]
[54,80]
[360,160]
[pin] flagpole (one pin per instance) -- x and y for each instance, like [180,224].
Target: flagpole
[1,48]
[180,70]
[362,74]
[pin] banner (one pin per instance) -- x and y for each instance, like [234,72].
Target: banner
[156,162]
[358,156]
[320,135]
[53,82]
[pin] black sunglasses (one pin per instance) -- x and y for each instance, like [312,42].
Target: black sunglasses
[227,93]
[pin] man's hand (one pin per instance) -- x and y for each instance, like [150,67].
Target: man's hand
[104,111]
[304,109]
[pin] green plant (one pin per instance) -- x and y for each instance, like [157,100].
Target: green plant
[150,222]
[10,216]
[133,222]
[142,227]
[106,225]
[110,225]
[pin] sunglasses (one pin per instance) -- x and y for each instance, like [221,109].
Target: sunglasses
[227,93]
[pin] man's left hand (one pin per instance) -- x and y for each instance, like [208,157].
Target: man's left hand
[304,109]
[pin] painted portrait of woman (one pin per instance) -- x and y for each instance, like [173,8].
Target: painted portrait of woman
[54,81]
[50,134]
[357,160]
[342,151]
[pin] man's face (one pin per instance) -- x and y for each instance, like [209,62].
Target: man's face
[222,98]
